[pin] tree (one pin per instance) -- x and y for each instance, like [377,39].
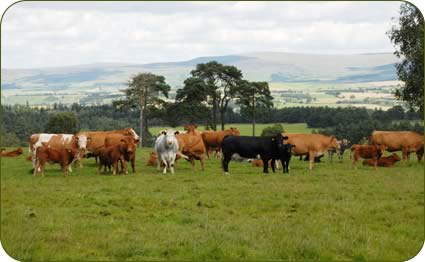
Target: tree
[144,93]
[62,122]
[408,39]
[191,100]
[221,83]
[253,95]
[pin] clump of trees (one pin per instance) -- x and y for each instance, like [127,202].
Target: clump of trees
[408,38]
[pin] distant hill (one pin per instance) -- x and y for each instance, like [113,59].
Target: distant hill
[274,67]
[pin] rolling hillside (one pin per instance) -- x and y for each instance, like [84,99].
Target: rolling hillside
[99,83]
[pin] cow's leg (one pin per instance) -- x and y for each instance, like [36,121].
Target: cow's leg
[311,155]
[405,153]
[66,169]
[43,167]
[225,163]
[202,160]
[133,160]
[36,166]
[115,168]
[164,171]
[99,167]
[273,162]
[124,166]
[265,165]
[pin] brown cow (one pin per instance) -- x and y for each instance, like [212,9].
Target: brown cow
[62,156]
[55,141]
[383,161]
[373,152]
[312,145]
[96,139]
[406,141]
[130,155]
[152,161]
[13,153]
[112,154]
[191,145]
[259,163]
[213,139]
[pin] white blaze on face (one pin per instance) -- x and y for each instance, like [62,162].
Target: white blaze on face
[82,142]
[135,136]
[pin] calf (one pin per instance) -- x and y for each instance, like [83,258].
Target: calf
[129,155]
[112,154]
[63,157]
[13,153]
[387,161]
[269,148]
[373,152]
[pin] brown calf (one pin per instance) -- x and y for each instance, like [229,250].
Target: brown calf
[13,153]
[130,154]
[383,161]
[63,157]
[373,152]
[112,154]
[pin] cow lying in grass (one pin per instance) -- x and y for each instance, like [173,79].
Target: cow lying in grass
[387,161]
[13,153]
[372,152]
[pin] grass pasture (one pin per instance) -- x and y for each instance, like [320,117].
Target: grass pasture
[336,213]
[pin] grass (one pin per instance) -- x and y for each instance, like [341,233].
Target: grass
[246,129]
[336,213]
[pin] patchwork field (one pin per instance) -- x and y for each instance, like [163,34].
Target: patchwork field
[336,213]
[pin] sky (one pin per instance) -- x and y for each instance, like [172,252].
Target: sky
[52,34]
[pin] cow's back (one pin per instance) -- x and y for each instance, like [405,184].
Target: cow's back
[246,146]
[396,140]
[304,143]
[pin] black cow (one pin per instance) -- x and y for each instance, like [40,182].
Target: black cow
[269,148]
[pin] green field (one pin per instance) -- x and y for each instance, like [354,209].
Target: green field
[246,129]
[336,213]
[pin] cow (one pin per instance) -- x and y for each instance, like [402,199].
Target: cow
[191,145]
[387,161]
[112,154]
[420,153]
[152,161]
[312,145]
[166,148]
[62,156]
[95,140]
[373,152]
[259,163]
[406,141]
[55,141]
[269,148]
[213,139]
[129,155]
[13,153]
[342,146]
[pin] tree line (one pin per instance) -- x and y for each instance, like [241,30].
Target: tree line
[20,121]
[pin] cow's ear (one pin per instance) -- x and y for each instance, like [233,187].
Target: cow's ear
[76,138]
[122,141]
[88,139]
[176,133]
[285,137]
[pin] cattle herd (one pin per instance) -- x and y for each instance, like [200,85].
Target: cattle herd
[113,149]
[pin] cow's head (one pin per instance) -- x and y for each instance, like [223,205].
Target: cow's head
[82,141]
[235,131]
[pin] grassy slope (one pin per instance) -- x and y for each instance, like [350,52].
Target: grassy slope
[334,214]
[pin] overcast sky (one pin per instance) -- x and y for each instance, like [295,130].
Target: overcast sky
[45,34]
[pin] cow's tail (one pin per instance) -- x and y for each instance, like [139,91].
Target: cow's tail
[182,155]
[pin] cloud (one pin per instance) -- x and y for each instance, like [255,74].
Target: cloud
[41,34]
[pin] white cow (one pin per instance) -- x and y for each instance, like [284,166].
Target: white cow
[166,147]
